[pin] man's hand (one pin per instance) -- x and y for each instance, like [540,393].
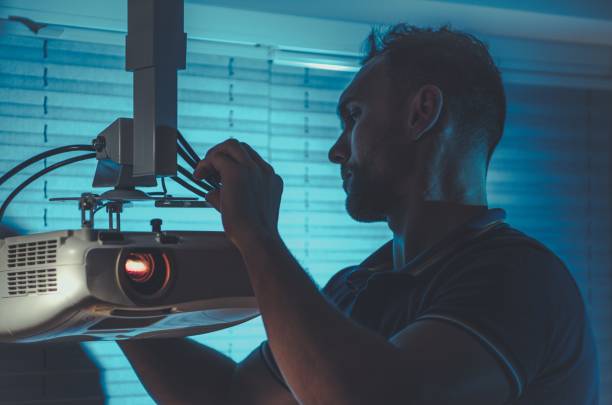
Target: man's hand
[249,199]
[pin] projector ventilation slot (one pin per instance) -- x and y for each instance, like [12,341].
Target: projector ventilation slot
[26,282]
[32,253]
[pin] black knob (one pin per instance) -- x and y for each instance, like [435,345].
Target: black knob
[99,143]
[156,224]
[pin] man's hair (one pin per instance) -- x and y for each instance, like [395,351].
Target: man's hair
[460,65]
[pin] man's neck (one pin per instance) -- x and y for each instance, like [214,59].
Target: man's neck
[416,230]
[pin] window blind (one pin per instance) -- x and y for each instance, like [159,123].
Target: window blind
[550,172]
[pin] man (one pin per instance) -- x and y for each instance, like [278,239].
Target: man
[458,308]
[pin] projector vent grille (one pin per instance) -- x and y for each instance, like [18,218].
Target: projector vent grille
[26,282]
[32,253]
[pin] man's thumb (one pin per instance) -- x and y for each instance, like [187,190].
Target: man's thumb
[213,197]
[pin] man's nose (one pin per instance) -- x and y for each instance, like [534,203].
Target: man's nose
[337,153]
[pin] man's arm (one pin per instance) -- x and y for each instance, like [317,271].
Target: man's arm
[327,358]
[181,371]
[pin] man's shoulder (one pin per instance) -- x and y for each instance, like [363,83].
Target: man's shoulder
[509,246]
[381,257]
[514,259]
[339,279]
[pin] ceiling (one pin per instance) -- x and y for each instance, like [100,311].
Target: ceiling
[387,11]
[600,9]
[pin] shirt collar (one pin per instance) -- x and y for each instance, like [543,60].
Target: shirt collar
[382,258]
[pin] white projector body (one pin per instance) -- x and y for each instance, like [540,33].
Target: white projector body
[80,285]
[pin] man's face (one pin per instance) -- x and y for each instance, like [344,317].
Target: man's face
[375,154]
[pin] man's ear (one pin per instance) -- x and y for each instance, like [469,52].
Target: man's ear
[424,110]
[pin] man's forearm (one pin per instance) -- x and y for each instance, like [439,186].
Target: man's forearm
[323,355]
[180,371]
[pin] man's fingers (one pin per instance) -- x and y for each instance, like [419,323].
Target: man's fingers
[213,197]
[233,148]
[239,152]
[218,165]
[256,157]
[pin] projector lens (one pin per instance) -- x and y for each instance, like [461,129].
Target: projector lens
[139,267]
[145,273]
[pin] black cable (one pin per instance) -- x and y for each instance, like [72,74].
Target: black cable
[100,207]
[41,156]
[182,153]
[163,183]
[187,147]
[188,174]
[39,174]
[188,186]
[164,191]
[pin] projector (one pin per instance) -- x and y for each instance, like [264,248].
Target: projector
[108,284]
[86,284]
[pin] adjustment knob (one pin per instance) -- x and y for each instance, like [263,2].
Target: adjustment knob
[156,224]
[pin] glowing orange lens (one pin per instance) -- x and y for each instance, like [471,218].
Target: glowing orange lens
[139,267]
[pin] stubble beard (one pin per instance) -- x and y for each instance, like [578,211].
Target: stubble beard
[369,198]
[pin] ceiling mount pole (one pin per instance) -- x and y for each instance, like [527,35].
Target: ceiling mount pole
[155,49]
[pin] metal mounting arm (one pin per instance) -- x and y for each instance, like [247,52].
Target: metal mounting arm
[133,152]
[155,49]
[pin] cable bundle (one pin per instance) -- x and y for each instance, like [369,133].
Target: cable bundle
[184,150]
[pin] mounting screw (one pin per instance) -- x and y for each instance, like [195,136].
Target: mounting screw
[99,143]
[156,224]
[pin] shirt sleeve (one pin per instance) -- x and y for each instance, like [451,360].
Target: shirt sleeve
[522,305]
[268,359]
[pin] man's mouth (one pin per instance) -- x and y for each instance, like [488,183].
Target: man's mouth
[345,182]
[345,175]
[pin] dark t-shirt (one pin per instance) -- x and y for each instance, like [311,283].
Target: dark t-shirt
[506,289]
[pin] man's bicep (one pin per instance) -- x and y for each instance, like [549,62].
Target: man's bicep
[255,384]
[452,365]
